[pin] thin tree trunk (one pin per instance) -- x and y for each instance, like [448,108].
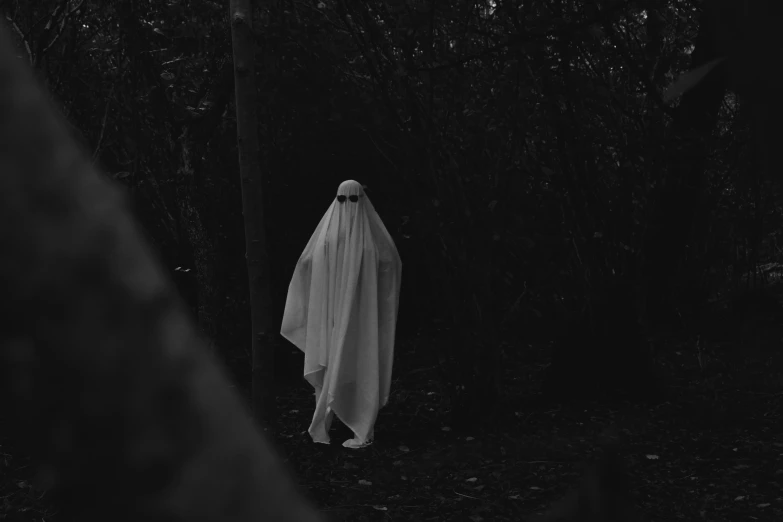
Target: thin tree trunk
[241,18]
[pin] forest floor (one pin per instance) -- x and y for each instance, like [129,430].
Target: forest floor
[713,450]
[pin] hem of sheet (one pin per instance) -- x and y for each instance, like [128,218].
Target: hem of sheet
[290,339]
[320,370]
[326,422]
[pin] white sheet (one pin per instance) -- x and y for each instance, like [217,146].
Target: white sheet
[341,311]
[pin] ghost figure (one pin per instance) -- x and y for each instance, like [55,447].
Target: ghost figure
[341,311]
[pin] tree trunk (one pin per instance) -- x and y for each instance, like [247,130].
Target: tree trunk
[263,339]
[101,371]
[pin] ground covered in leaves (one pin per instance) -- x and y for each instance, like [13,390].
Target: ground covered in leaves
[710,451]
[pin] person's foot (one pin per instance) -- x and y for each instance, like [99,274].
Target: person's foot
[355,443]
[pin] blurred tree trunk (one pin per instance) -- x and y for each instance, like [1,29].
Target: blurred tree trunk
[102,375]
[241,18]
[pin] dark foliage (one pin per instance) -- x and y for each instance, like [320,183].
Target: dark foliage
[604,354]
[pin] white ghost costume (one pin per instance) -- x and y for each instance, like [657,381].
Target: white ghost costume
[341,311]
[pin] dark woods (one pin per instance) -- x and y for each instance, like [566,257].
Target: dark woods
[553,213]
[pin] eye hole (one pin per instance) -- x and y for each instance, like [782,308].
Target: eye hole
[353,198]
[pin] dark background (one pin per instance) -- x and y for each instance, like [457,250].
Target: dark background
[568,239]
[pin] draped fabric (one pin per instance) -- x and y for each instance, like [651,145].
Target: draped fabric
[341,311]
